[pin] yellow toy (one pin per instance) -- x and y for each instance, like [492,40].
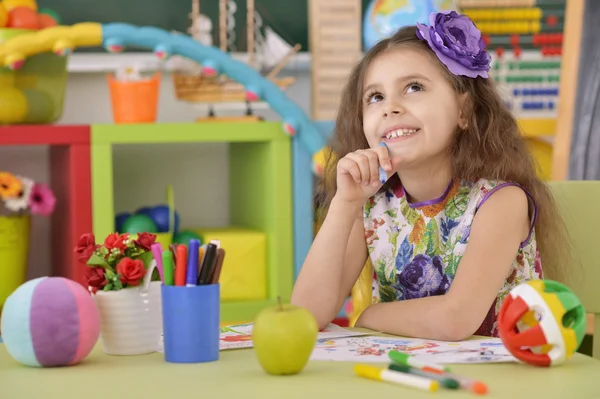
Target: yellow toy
[60,39]
[542,322]
[319,159]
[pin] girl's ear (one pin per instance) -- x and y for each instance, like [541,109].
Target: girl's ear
[464,110]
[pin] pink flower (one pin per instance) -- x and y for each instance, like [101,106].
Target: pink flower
[41,200]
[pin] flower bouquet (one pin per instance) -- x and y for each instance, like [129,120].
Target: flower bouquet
[123,280]
[120,262]
[20,197]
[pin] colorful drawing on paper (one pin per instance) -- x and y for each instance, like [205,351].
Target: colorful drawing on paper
[236,337]
[240,335]
[375,349]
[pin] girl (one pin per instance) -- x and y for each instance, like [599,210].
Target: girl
[462,217]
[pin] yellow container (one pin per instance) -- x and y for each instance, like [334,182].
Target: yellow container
[14,247]
[34,93]
[244,274]
[165,239]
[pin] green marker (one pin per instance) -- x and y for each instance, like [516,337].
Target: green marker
[444,381]
[408,360]
[168,267]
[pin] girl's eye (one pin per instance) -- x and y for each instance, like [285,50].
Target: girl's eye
[414,87]
[374,97]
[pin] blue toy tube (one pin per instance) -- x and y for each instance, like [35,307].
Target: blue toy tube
[191,323]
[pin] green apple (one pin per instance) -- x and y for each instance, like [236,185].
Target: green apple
[284,337]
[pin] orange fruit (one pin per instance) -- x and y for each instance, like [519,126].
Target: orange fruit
[23,18]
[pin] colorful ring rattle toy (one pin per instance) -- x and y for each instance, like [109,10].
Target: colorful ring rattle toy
[542,322]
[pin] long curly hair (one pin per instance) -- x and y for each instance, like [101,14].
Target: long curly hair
[491,147]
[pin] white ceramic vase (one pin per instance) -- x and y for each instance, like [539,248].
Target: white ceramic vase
[131,318]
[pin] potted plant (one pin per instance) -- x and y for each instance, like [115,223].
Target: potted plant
[121,275]
[20,197]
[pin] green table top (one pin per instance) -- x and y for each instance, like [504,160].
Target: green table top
[237,374]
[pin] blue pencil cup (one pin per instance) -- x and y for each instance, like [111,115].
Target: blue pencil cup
[191,323]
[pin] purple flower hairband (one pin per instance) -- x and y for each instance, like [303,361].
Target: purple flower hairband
[457,42]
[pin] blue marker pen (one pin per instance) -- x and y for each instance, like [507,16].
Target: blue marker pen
[192,266]
[382,173]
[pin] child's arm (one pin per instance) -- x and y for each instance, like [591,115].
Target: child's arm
[498,228]
[333,263]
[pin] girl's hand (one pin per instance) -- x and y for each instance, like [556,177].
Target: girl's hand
[358,174]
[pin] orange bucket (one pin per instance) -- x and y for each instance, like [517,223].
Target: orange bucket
[134,101]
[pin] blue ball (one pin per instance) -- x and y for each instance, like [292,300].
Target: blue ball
[160,215]
[146,210]
[120,220]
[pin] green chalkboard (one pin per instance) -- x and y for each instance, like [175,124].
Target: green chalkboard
[288,18]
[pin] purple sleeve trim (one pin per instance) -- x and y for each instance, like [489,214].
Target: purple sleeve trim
[535,208]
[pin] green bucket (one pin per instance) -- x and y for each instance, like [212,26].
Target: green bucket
[35,93]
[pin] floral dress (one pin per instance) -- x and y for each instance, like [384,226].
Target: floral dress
[416,248]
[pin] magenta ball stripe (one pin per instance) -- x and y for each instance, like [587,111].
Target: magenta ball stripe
[54,322]
[89,321]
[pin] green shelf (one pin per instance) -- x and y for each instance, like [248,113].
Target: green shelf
[260,165]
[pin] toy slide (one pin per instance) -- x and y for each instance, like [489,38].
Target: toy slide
[116,36]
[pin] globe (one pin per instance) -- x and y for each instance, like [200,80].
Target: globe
[384,17]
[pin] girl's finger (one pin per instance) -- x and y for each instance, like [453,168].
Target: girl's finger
[349,166]
[363,164]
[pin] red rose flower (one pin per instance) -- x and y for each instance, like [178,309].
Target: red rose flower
[94,278]
[131,271]
[85,247]
[117,241]
[145,240]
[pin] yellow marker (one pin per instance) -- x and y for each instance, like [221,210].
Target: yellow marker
[387,375]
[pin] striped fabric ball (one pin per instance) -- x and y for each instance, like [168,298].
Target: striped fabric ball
[50,321]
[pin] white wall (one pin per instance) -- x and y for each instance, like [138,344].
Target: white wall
[140,170]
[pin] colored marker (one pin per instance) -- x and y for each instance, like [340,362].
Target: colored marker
[168,267]
[408,360]
[382,173]
[386,375]
[201,253]
[173,248]
[192,264]
[180,269]
[477,387]
[208,264]
[214,279]
[446,382]
[156,249]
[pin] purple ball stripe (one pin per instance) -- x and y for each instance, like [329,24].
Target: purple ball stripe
[54,323]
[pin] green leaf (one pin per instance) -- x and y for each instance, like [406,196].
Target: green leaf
[107,287]
[387,293]
[380,272]
[117,284]
[393,212]
[109,274]
[146,257]
[452,264]
[411,215]
[456,206]
[369,205]
[431,238]
[96,260]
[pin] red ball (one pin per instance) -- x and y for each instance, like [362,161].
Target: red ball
[23,18]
